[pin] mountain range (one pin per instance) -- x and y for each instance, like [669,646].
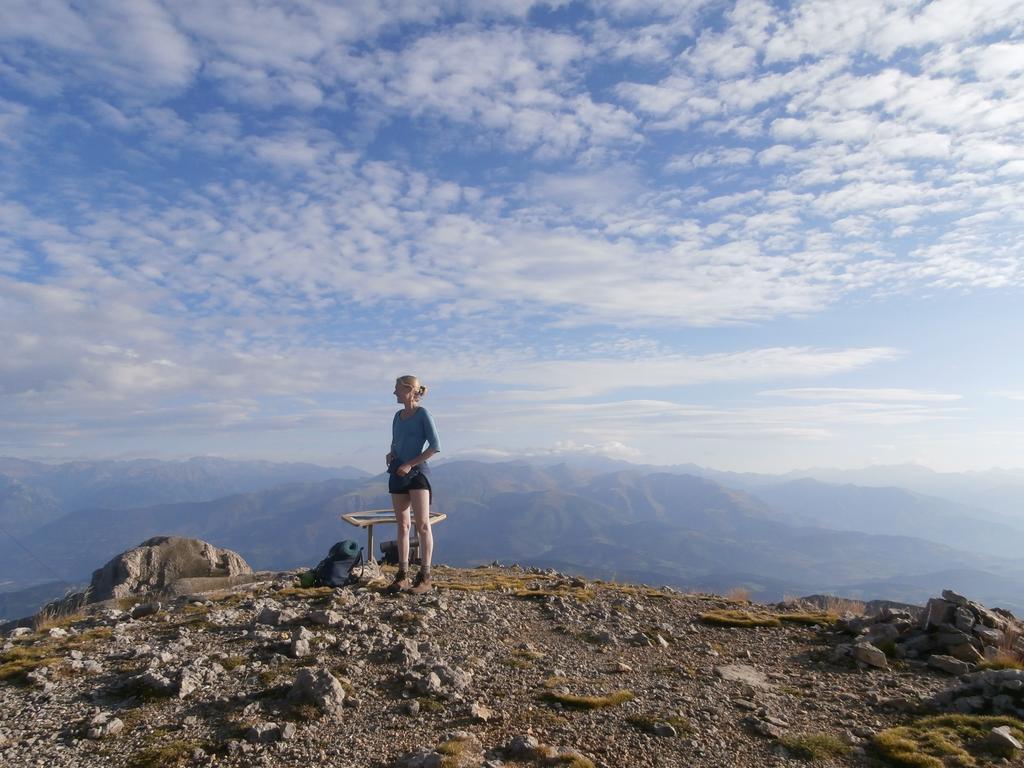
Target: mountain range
[770,536]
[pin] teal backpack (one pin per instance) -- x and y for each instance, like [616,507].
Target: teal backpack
[338,569]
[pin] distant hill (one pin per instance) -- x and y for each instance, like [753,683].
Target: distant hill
[1000,491]
[891,511]
[653,527]
[33,494]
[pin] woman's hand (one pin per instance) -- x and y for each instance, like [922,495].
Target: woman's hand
[403,470]
[389,458]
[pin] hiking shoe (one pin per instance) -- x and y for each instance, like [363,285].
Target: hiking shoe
[422,583]
[400,584]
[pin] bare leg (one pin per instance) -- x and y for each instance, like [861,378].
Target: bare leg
[420,499]
[400,503]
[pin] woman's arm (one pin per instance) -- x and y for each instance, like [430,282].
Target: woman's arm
[404,470]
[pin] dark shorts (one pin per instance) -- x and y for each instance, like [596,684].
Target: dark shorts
[402,486]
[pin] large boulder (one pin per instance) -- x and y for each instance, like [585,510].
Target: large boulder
[157,563]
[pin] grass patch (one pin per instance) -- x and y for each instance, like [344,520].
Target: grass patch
[452,750]
[1002,661]
[675,670]
[16,663]
[453,747]
[636,590]
[737,618]
[88,637]
[195,621]
[649,722]
[48,618]
[430,704]
[525,586]
[171,753]
[269,676]
[573,701]
[130,601]
[814,746]
[573,760]
[943,741]
[303,713]
[307,592]
[232,662]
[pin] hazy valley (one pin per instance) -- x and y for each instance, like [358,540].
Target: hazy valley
[774,536]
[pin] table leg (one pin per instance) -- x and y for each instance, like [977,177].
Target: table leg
[369,544]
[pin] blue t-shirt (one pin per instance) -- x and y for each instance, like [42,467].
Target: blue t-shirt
[409,436]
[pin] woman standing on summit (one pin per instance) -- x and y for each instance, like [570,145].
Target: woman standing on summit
[409,484]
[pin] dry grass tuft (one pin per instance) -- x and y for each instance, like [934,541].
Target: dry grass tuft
[572,760]
[307,592]
[166,755]
[738,595]
[430,704]
[16,663]
[573,701]
[841,606]
[737,618]
[814,746]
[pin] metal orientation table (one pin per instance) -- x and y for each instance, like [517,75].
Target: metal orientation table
[371,517]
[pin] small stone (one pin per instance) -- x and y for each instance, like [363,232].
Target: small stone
[870,655]
[264,733]
[665,729]
[480,712]
[524,745]
[104,725]
[948,664]
[144,609]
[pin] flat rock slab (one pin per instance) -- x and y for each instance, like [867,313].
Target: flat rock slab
[199,584]
[743,673]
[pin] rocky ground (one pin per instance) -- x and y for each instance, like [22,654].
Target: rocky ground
[498,666]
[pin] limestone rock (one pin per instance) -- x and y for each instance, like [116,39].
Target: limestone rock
[949,664]
[870,655]
[1001,739]
[104,725]
[158,562]
[320,688]
[743,673]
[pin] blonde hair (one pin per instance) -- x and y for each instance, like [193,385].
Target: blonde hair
[411,381]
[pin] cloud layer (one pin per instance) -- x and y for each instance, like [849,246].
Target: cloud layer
[246,216]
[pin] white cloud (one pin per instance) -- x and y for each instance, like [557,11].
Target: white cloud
[848,394]
[127,46]
[13,119]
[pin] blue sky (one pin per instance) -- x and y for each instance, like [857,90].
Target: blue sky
[749,235]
